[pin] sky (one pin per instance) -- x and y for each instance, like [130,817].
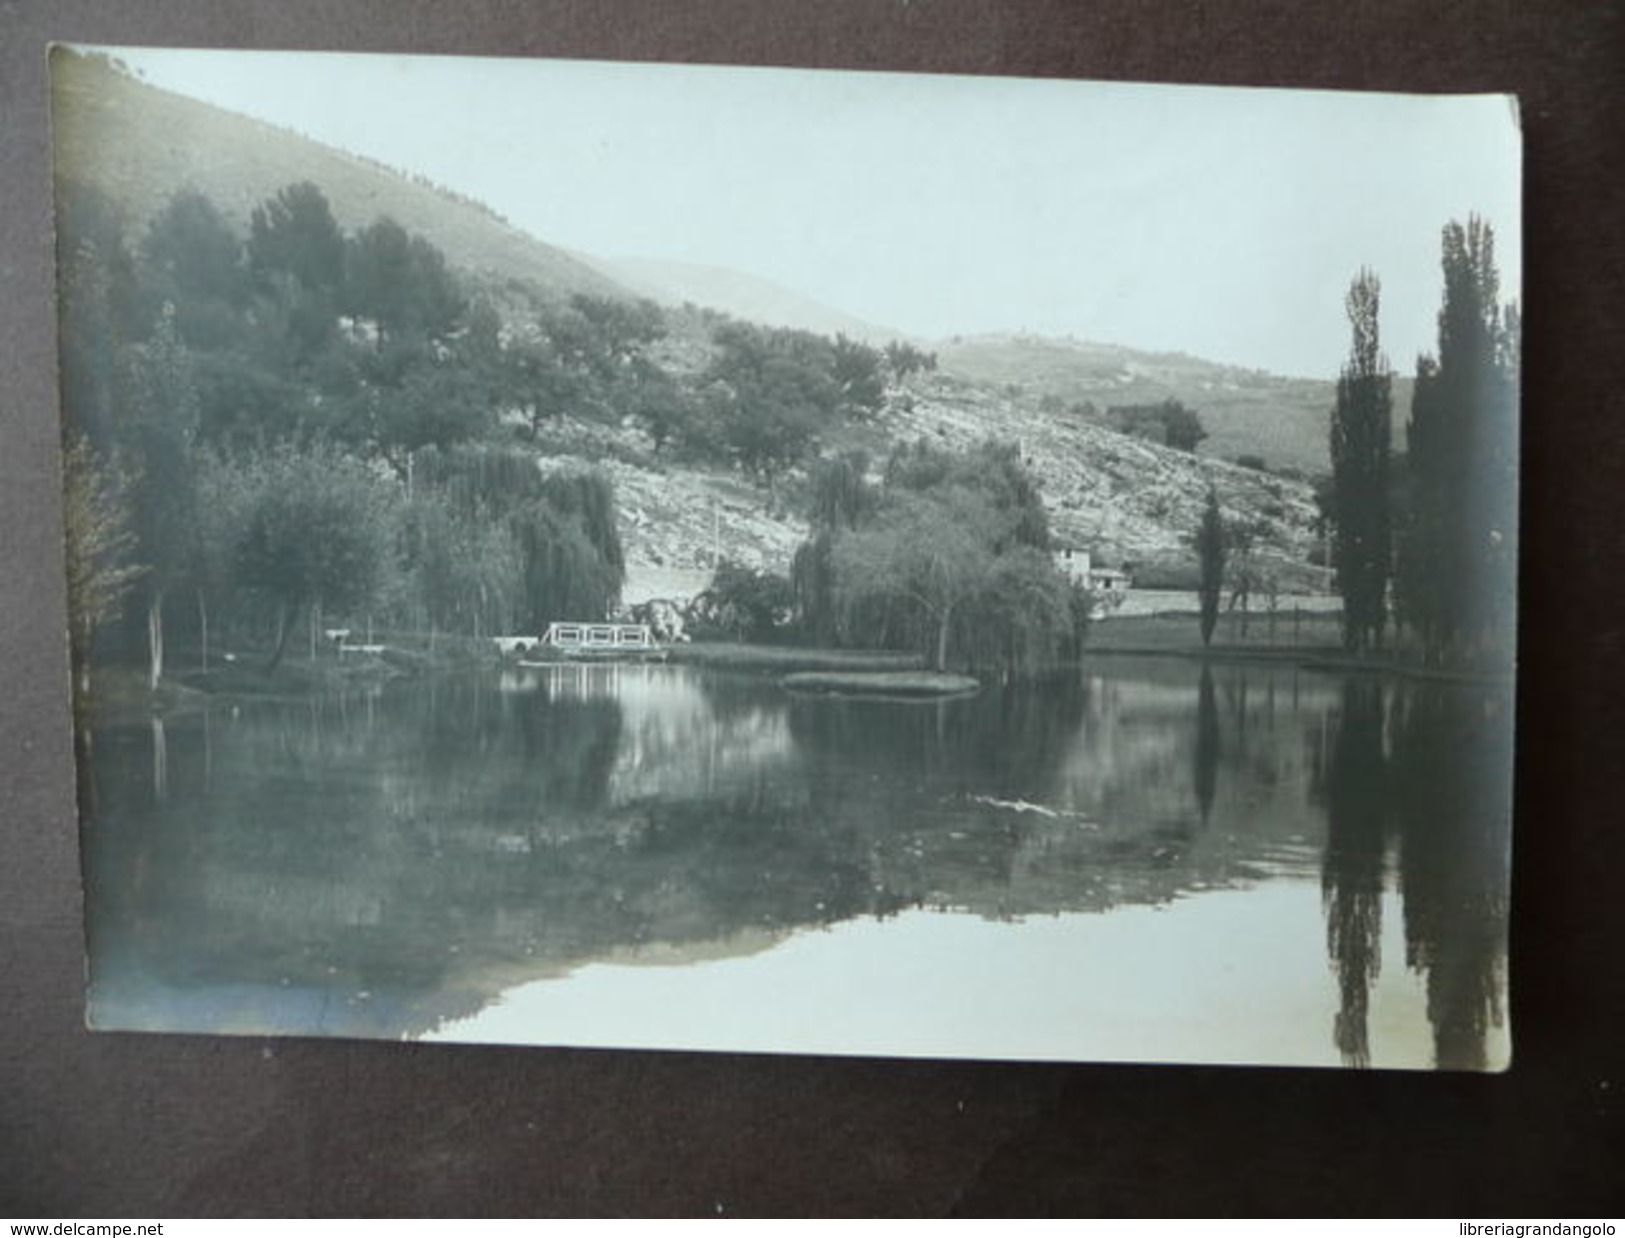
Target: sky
[1220,222]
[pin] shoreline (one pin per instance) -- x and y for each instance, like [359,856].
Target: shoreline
[121,694]
[1313,643]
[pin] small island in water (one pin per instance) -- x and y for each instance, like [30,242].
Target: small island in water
[896,685]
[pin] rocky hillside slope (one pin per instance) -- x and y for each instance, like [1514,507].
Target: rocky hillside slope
[1121,498]
[1245,412]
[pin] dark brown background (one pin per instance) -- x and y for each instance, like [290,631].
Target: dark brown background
[153,1126]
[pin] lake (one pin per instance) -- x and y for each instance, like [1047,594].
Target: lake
[1140,860]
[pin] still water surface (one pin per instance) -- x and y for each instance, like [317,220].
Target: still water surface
[1141,861]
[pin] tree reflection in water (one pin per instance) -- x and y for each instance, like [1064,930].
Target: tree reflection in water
[1453,765]
[1352,878]
[1206,749]
[379,865]
[1444,788]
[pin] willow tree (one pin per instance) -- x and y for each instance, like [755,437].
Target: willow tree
[571,542]
[565,575]
[562,528]
[951,557]
[463,573]
[1361,442]
[929,553]
[842,501]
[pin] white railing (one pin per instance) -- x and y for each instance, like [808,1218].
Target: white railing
[599,636]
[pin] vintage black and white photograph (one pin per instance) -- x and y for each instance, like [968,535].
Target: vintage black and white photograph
[574,553]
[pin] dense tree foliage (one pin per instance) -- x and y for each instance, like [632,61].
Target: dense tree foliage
[949,555]
[926,559]
[743,603]
[401,283]
[1361,442]
[193,265]
[558,555]
[769,394]
[313,529]
[1169,423]
[295,235]
[904,359]
[238,368]
[296,259]
[313,422]
[860,377]
[1458,544]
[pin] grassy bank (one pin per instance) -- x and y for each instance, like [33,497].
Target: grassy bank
[1306,635]
[117,691]
[1311,640]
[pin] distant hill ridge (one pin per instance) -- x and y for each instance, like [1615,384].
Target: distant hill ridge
[1284,420]
[140,144]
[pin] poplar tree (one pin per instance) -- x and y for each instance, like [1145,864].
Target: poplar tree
[1458,554]
[1210,553]
[1361,444]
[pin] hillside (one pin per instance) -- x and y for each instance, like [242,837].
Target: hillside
[139,145]
[738,294]
[1245,412]
[1119,497]
[1122,498]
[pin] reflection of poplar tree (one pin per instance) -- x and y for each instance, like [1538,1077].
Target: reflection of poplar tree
[1453,750]
[1352,869]
[1207,744]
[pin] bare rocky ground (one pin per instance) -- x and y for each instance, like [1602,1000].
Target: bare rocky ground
[1121,498]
